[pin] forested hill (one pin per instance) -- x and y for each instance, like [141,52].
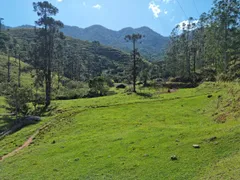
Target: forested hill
[151,47]
[82,59]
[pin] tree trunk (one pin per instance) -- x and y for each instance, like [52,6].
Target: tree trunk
[134,67]
[48,78]
[58,71]
[9,66]
[194,62]
[188,57]
[225,49]
[48,89]
[49,71]
[19,71]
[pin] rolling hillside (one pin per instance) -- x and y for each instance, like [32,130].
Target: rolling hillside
[133,137]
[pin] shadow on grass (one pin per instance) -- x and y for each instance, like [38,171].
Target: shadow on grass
[43,110]
[6,122]
[9,124]
[111,93]
[145,95]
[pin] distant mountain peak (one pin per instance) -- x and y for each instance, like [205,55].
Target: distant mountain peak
[96,26]
[153,45]
[127,28]
[145,27]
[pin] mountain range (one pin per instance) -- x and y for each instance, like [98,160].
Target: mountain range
[151,46]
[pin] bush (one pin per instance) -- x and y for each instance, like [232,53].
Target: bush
[180,79]
[18,98]
[98,87]
[3,88]
[208,74]
[39,99]
[109,82]
[232,74]
[73,85]
[66,94]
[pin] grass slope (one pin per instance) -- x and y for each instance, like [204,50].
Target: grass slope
[132,137]
[26,77]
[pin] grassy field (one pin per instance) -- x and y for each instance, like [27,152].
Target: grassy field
[133,137]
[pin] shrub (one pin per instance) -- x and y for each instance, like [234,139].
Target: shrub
[73,85]
[39,99]
[209,74]
[98,87]
[109,82]
[180,79]
[232,74]
[66,94]
[18,98]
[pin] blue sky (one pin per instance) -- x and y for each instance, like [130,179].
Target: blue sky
[160,15]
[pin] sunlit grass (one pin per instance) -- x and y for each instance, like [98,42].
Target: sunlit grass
[129,136]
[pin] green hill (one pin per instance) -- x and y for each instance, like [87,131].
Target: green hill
[152,46]
[133,137]
[82,57]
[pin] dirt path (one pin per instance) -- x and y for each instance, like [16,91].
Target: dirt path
[26,144]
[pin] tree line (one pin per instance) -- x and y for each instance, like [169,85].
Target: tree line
[209,46]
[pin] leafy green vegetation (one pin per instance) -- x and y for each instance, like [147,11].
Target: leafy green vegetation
[133,137]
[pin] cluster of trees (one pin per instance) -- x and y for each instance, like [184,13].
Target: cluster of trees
[51,53]
[42,53]
[209,45]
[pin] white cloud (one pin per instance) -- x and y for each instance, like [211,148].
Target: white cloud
[59,0]
[183,25]
[168,1]
[172,19]
[165,12]
[97,6]
[155,9]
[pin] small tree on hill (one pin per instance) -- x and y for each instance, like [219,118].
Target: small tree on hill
[98,86]
[17,99]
